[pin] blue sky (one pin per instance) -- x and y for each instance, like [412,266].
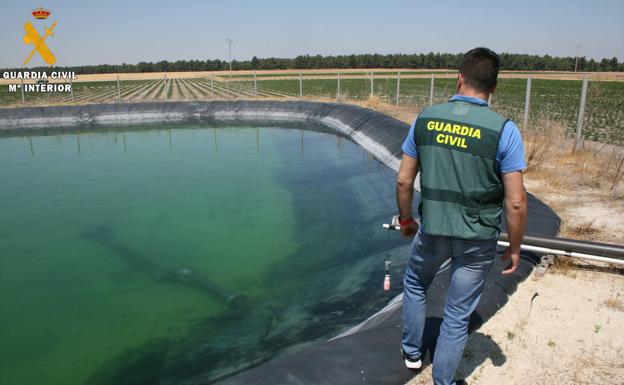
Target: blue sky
[114,31]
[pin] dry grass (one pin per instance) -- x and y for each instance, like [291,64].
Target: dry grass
[572,181]
[539,144]
[550,159]
[588,370]
[373,102]
[563,265]
[615,304]
[583,230]
[618,174]
[403,113]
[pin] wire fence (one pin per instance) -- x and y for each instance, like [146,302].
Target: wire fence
[596,111]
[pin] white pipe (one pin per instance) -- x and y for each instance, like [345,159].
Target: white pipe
[545,250]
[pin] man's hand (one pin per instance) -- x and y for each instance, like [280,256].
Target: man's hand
[515,259]
[410,229]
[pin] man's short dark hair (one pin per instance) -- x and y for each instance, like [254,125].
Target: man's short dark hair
[480,68]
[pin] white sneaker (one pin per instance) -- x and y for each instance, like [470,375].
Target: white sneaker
[413,362]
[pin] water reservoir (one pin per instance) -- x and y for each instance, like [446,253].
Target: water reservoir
[184,253]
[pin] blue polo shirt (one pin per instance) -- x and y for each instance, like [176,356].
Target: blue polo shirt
[510,154]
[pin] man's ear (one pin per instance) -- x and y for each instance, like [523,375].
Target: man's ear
[460,81]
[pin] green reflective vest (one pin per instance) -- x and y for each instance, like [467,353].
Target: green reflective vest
[461,190]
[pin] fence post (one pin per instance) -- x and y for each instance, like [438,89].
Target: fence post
[212,84]
[118,89]
[255,85]
[490,100]
[578,144]
[338,87]
[165,86]
[431,90]
[527,102]
[398,87]
[372,79]
[23,95]
[71,89]
[300,84]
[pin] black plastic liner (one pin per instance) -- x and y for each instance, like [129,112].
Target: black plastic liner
[369,352]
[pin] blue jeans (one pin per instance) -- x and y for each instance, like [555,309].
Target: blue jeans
[470,264]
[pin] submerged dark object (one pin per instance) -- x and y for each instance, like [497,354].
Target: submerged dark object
[183,276]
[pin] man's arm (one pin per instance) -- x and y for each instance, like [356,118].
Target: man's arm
[405,192]
[516,216]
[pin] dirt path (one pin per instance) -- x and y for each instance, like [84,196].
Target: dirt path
[570,335]
[136,93]
[199,93]
[212,90]
[224,90]
[156,92]
[142,93]
[174,90]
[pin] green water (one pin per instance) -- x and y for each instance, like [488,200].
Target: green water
[103,237]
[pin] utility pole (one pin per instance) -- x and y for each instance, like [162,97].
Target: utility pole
[230,41]
[578,47]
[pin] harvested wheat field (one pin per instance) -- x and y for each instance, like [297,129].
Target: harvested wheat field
[331,74]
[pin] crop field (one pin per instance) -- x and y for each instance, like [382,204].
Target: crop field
[551,100]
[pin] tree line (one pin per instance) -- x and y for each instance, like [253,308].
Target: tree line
[509,61]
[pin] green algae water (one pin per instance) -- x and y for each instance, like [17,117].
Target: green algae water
[162,255]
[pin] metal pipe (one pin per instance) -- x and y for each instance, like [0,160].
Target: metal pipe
[572,245]
[600,252]
[546,250]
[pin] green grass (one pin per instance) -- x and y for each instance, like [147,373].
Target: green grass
[558,100]
[551,100]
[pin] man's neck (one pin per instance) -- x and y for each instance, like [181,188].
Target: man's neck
[485,96]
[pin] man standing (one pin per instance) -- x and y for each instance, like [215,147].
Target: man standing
[470,161]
